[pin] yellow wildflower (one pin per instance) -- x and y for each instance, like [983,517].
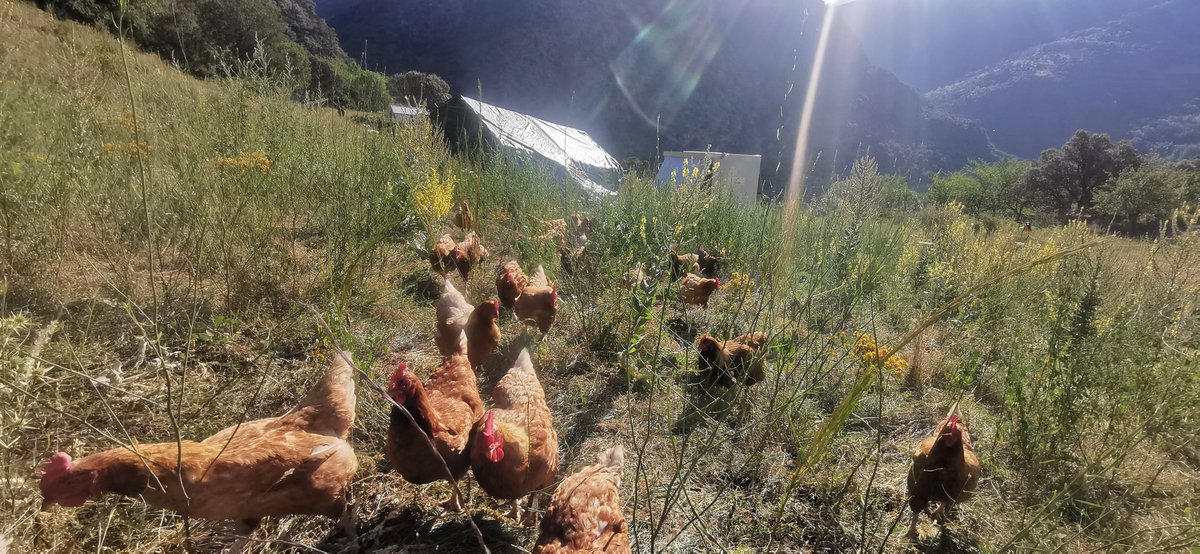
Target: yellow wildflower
[740,281]
[133,148]
[870,352]
[253,161]
[431,199]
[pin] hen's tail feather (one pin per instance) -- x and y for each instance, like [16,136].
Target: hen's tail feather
[328,408]
[613,457]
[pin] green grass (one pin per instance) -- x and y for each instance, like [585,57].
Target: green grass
[161,288]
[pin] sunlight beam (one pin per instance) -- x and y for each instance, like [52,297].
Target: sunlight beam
[796,180]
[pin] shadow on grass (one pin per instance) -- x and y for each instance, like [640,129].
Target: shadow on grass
[585,421]
[947,541]
[410,529]
[705,400]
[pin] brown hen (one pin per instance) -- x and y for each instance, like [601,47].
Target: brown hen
[444,255]
[538,303]
[734,360]
[444,408]
[455,315]
[682,264]
[944,470]
[471,254]
[510,282]
[585,513]
[696,290]
[514,449]
[297,463]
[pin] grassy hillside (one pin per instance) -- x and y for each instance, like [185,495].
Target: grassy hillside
[166,242]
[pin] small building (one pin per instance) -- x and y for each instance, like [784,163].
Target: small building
[737,173]
[570,151]
[405,114]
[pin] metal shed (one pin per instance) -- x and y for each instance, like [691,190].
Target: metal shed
[400,112]
[737,173]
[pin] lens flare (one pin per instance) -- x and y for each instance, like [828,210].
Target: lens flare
[796,180]
[663,65]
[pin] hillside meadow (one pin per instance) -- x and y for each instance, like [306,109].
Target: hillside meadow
[171,246]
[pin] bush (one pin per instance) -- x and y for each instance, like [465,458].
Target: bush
[1142,196]
[419,89]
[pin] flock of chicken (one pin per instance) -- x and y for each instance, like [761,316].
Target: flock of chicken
[301,463]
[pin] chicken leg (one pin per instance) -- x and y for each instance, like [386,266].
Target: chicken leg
[453,504]
[348,522]
[243,529]
[913,534]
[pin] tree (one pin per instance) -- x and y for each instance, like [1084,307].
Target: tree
[1191,169]
[985,187]
[208,36]
[1065,180]
[961,187]
[325,81]
[1142,195]
[859,193]
[1004,184]
[304,26]
[897,196]
[416,88]
[367,90]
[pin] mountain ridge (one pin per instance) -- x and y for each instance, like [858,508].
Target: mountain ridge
[1133,77]
[644,77]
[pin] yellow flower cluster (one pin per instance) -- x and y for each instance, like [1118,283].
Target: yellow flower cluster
[133,148]
[253,161]
[431,199]
[691,172]
[869,350]
[740,281]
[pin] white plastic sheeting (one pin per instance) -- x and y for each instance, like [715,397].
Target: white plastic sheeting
[400,112]
[584,161]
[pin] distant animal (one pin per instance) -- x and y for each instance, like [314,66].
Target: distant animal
[463,218]
[538,303]
[569,258]
[944,470]
[682,264]
[471,254]
[514,448]
[585,513]
[445,255]
[735,360]
[298,463]
[582,224]
[510,282]
[709,264]
[697,290]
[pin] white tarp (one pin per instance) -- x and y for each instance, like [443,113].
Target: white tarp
[401,112]
[584,160]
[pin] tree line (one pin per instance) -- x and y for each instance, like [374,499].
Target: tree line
[298,49]
[1090,177]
